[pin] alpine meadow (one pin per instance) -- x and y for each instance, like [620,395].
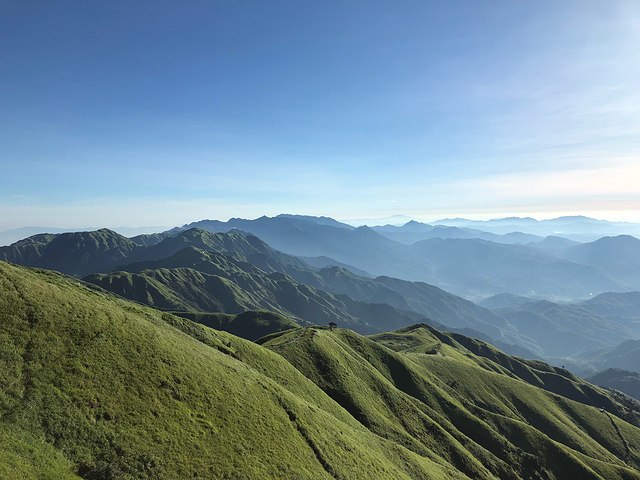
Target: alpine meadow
[315,240]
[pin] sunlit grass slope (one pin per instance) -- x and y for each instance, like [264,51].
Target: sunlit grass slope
[96,387]
[434,395]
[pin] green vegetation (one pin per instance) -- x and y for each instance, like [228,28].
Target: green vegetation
[194,280]
[97,387]
[250,325]
[101,388]
[486,413]
[77,254]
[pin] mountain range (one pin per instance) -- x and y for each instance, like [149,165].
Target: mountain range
[193,270]
[469,267]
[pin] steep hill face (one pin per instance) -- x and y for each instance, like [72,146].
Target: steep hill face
[97,387]
[623,380]
[488,414]
[218,283]
[77,254]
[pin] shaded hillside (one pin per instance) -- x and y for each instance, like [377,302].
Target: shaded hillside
[97,387]
[622,307]
[77,254]
[577,227]
[101,251]
[250,325]
[222,284]
[470,267]
[606,251]
[504,300]
[361,247]
[625,356]
[237,257]
[412,232]
[477,268]
[425,300]
[624,380]
[618,257]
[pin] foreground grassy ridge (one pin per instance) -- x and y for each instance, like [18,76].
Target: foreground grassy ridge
[96,387]
[478,414]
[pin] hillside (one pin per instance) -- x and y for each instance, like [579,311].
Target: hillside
[77,253]
[618,257]
[241,272]
[478,268]
[624,380]
[244,261]
[218,283]
[469,267]
[467,402]
[625,356]
[101,388]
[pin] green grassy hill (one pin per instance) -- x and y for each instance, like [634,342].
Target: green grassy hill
[238,255]
[213,282]
[96,387]
[100,388]
[486,413]
[78,253]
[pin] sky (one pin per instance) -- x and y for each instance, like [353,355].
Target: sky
[139,113]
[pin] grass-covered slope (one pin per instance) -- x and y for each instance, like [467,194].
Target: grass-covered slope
[78,253]
[232,253]
[488,414]
[251,325]
[96,387]
[200,281]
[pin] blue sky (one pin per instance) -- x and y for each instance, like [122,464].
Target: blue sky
[135,113]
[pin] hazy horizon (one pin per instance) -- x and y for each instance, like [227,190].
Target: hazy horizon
[134,114]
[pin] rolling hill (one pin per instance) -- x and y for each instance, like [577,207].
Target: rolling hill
[217,283]
[97,387]
[77,253]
